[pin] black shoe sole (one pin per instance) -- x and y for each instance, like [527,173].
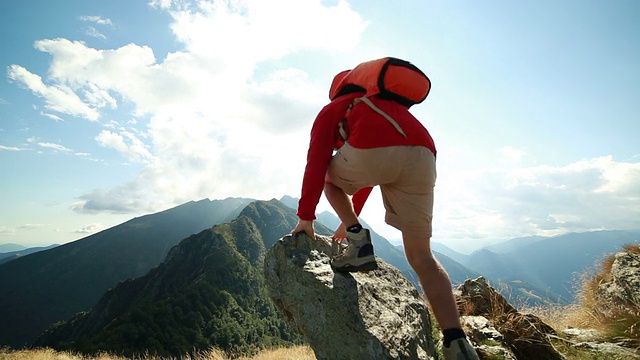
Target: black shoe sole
[372,265]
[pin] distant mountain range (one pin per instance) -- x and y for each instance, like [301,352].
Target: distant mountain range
[50,286]
[4,248]
[63,283]
[552,264]
[12,255]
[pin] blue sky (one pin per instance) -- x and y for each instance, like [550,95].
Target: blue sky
[115,109]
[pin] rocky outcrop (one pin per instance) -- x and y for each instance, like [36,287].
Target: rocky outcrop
[617,299]
[524,335]
[591,340]
[489,341]
[374,315]
[621,288]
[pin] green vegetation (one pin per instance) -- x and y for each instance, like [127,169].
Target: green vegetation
[209,292]
[50,286]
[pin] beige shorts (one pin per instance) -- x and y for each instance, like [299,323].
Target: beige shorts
[406,176]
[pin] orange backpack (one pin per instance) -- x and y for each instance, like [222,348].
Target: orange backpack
[388,78]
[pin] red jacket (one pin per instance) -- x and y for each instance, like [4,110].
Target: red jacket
[367,129]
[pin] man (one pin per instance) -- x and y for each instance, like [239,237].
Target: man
[382,144]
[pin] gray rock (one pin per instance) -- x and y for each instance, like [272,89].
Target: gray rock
[524,334]
[494,352]
[582,335]
[480,329]
[622,287]
[374,315]
[615,350]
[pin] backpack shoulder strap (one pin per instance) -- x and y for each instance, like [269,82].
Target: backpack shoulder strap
[344,134]
[367,101]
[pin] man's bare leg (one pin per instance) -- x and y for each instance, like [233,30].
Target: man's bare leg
[434,279]
[341,203]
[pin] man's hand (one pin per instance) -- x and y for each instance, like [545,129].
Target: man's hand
[306,226]
[340,233]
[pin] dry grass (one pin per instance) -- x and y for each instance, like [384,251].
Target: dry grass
[589,312]
[632,249]
[619,323]
[48,354]
[294,353]
[557,316]
[613,320]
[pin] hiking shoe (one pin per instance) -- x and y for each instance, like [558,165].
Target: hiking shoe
[358,256]
[459,349]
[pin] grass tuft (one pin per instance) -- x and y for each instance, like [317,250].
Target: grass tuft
[620,322]
[293,353]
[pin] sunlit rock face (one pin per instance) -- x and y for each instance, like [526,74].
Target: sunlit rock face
[373,315]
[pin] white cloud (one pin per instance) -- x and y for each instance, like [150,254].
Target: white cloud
[130,71]
[7,230]
[90,229]
[30,226]
[96,19]
[220,123]
[126,144]
[93,32]
[508,153]
[57,98]
[265,30]
[53,117]
[56,147]
[505,202]
[11,148]
[3,101]
[131,197]
[4,230]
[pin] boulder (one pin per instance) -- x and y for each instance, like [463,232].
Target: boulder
[622,287]
[373,315]
[481,331]
[582,335]
[606,349]
[490,352]
[524,334]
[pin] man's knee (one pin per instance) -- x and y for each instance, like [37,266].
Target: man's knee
[420,256]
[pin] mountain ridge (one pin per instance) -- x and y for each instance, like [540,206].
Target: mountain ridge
[210,288]
[12,255]
[11,247]
[53,285]
[554,263]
